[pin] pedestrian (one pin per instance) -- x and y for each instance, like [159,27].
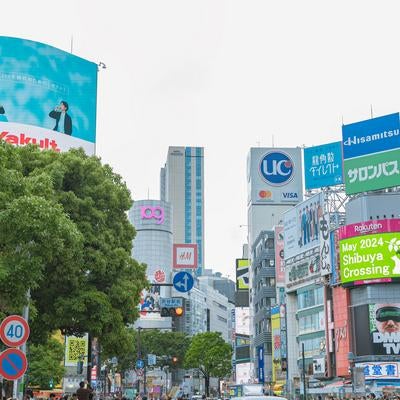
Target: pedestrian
[83,392]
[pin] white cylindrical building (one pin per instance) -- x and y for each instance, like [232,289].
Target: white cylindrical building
[152,245]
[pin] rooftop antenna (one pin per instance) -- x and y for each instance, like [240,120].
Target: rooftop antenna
[148,193]
[72,43]
[372,111]
[273,143]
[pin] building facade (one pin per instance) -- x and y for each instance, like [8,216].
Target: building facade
[182,185]
[152,245]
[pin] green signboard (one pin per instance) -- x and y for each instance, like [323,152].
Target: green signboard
[372,172]
[370,257]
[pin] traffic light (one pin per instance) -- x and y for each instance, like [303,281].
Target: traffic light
[174,360]
[51,383]
[172,312]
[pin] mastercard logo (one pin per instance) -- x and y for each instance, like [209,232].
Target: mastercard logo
[265,194]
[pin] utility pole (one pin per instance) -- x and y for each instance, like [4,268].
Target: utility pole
[304,372]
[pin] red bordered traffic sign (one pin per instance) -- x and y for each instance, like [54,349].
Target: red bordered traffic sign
[14,331]
[13,364]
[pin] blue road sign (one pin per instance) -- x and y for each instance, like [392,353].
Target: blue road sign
[13,364]
[139,364]
[183,281]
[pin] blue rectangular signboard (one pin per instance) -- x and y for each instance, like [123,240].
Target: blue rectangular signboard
[260,357]
[171,302]
[371,136]
[323,165]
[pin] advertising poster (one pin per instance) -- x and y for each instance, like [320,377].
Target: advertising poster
[301,226]
[279,255]
[76,349]
[384,328]
[242,274]
[377,329]
[370,257]
[242,320]
[325,252]
[243,372]
[276,344]
[150,302]
[47,96]
[323,165]
[274,176]
[371,153]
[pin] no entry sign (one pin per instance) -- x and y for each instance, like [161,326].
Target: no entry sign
[14,331]
[13,364]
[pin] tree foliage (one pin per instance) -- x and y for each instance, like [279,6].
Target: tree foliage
[211,355]
[64,234]
[165,345]
[45,364]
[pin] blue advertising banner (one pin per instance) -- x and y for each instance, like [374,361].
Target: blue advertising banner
[260,358]
[47,96]
[371,136]
[323,165]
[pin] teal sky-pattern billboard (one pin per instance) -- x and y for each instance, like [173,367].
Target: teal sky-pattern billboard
[47,96]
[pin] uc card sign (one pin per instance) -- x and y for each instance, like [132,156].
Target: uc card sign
[323,165]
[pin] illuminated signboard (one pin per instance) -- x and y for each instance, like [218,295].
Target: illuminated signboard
[370,257]
[47,96]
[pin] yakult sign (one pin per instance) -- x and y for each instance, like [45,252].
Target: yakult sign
[149,212]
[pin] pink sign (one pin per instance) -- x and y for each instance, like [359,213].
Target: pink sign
[369,227]
[279,256]
[149,212]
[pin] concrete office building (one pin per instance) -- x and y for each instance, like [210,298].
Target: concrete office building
[373,304]
[263,297]
[220,283]
[274,179]
[182,184]
[152,245]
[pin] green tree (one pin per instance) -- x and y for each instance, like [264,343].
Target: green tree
[211,355]
[64,233]
[165,345]
[45,364]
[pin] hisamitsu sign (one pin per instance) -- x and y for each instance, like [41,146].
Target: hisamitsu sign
[371,136]
[371,154]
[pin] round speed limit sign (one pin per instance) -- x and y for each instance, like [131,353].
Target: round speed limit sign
[14,331]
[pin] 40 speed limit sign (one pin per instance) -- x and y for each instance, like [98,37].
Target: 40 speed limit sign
[14,331]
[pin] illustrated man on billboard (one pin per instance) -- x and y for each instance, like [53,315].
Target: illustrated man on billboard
[386,337]
[63,120]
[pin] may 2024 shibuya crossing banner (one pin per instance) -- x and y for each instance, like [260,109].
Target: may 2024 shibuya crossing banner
[47,96]
[370,251]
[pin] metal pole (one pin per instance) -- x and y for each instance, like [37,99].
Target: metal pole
[139,356]
[304,372]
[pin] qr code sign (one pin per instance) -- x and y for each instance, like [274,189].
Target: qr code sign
[76,348]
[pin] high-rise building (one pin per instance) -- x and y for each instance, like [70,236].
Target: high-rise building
[274,179]
[152,245]
[182,185]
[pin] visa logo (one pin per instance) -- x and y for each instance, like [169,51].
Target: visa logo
[290,195]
